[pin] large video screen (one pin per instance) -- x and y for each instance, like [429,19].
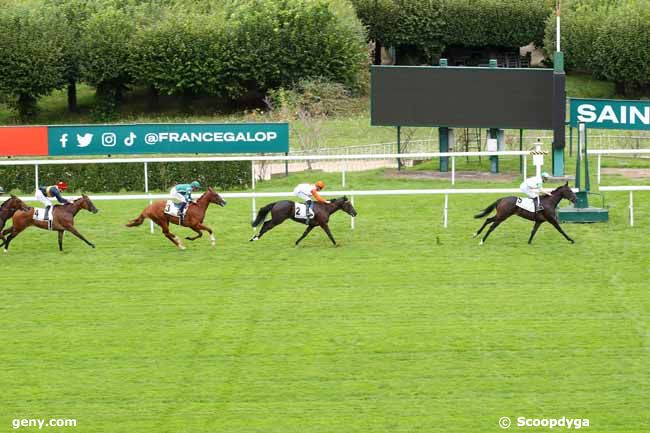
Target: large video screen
[462,97]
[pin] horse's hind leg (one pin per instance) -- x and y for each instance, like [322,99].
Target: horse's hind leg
[61,240]
[494,225]
[198,234]
[14,232]
[268,225]
[487,221]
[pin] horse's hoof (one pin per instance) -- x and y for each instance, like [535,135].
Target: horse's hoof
[214,244]
[254,238]
[6,251]
[182,247]
[474,235]
[481,242]
[93,246]
[572,241]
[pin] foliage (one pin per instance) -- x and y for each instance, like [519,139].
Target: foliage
[31,54]
[128,177]
[609,39]
[430,25]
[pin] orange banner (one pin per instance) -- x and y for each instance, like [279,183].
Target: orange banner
[23,141]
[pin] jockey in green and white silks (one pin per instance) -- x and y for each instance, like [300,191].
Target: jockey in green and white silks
[183,193]
[533,187]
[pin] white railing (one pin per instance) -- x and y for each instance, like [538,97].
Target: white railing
[265,158]
[350,193]
[601,152]
[631,190]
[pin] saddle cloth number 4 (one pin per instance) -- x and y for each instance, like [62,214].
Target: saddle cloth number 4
[301,211]
[40,215]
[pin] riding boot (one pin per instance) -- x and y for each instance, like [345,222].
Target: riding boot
[181,209]
[308,207]
[538,206]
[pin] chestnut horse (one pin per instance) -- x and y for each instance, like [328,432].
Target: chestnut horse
[62,221]
[193,217]
[507,206]
[282,210]
[8,208]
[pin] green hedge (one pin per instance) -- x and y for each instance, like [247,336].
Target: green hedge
[129,176]
[609,39]
[431,25]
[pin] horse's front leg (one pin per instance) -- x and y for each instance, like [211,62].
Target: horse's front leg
[556,224]
[325,227]
[535,227]
[71,229]
[305,233]
[61,240]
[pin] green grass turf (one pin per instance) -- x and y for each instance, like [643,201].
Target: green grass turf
[406,327]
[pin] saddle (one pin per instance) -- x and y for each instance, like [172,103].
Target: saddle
[172,209]
[300,211]
[41,214]
[527,204]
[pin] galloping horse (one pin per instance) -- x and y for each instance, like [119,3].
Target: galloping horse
[193,217]
[62,221]
[285,209]
[506,207]
[8,208]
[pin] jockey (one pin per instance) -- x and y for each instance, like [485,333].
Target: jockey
[183,193]
[308,192]
[44,194]
[533,187]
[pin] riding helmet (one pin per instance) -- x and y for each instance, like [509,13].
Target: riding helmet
[195,184]
[320,184]
[62,185]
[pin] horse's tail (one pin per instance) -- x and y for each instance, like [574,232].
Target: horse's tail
[487,210]
[136,222]
[262,214]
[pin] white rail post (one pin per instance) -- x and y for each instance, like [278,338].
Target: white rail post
[146,189]
[453,170]
[631,209]
[444,219]
[352,218]
[36,176]
[598,170]
[253,187]
[525,166]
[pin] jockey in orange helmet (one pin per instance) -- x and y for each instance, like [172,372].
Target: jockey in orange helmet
[308,192]
[44,194]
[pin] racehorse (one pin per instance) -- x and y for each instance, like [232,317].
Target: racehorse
[8,208]
[193,217]
[62,221]
[506,207]
[285,209]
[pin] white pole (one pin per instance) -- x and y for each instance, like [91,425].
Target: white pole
[631,209]
[36,176]
[598,171]
[453,170]
[146,190]
[525,166]
[352,218]
[445,211]
[557,26]
[254,206]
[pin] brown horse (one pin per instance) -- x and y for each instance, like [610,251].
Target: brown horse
[193,218]
[62,221]
[8,208]
[285,209]
[507,206]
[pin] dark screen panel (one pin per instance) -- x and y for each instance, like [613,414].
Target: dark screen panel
[462,97]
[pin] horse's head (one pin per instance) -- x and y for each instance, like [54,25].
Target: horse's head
[566,192]
[215,198]
[86,203]
[13,204]
[346,205]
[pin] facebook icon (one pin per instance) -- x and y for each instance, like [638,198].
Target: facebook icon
[63,140]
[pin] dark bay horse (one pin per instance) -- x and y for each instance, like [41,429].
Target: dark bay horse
[282,210]
[62,221]
[193,218]
[8,208]
[506,207]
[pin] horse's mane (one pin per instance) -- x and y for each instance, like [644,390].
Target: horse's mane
[560,187]
[5,203]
